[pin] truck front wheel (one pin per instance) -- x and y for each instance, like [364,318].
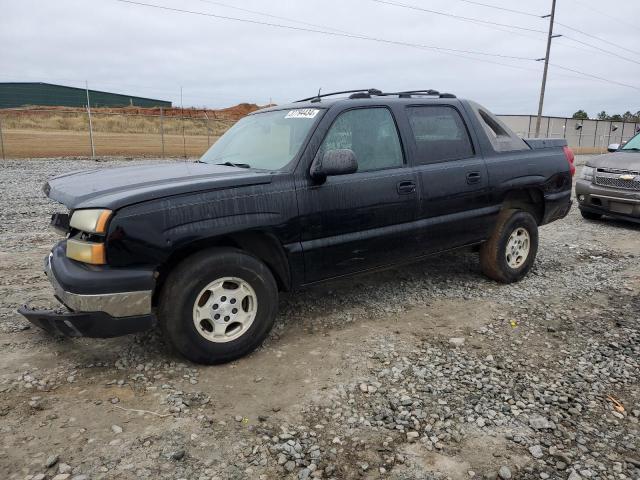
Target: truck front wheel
[511,250]
[218,305]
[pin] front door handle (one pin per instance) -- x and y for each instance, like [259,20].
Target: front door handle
[406,187]
[473,177]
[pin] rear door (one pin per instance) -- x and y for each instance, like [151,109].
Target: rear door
[365,219]
[452,178]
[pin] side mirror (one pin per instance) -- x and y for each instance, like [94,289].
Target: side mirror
[334,162]
[613,147]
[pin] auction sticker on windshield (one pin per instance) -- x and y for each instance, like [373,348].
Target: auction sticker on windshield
[302,113]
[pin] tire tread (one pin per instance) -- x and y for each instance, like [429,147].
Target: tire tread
[491,262]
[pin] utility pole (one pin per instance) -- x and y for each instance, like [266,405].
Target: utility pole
[546,64]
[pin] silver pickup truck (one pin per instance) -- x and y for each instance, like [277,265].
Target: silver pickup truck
[610,184]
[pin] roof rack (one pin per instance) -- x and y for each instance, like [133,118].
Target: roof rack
[316,98]
[374,92]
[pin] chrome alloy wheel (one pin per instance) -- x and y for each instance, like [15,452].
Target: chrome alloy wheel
[518,247]
[225,309]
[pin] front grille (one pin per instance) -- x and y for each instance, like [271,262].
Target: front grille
[611,178]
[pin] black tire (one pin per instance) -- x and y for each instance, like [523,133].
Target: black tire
[590,215]
[493,253]
[186,282]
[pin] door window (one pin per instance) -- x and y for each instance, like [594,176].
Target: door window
[371,134]
[440,134]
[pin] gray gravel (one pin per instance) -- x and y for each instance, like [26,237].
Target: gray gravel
[429,371]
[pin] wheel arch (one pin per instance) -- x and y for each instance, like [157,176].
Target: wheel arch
[262,245]
[529,199]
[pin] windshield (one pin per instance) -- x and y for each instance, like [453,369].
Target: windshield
[266,141]
[633,144]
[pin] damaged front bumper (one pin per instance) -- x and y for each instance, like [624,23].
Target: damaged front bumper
[96,305]
[86,324]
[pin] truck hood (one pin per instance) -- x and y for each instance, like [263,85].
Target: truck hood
[114,188]
[617,160]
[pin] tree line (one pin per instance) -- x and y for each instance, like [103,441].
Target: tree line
[625,117]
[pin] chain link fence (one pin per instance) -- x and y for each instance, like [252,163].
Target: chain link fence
[63,132]
[583,136]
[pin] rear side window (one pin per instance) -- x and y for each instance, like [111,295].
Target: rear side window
[372,135]
[440,134]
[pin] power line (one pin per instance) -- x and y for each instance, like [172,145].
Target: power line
[496,7]
[594,76]
[574,47]
[345,34]
[293,20]
[512,32]
[475,21]
[520,12]
[604,50]
[597,38]
[265,14]
[324,32]
[601,12]
[591,49]
[447,51]
[457,17]
[494,24]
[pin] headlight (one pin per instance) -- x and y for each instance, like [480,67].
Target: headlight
[90,220]
[587,173]
[86,252]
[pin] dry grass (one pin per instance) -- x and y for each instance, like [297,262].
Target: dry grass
[112,123]
[54,132]
[43,143]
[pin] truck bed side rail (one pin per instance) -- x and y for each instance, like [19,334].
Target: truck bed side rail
[537,143]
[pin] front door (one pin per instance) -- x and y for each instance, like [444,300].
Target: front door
[361,220]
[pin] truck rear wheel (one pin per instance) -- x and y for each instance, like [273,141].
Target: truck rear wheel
[218,305]
[511,250]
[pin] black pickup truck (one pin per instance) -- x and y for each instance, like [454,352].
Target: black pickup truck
[290,196]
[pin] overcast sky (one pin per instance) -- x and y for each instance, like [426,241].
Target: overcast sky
[149,52]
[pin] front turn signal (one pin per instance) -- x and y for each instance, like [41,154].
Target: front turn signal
[86,252]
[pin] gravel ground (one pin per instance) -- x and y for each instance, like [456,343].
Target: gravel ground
[424,372]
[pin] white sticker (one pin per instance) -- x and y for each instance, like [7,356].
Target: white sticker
[302,113]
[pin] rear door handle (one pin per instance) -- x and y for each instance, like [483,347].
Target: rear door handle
[473,177]
[406,187]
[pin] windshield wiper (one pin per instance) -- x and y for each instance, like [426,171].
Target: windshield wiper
[635,149]
[231,164]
